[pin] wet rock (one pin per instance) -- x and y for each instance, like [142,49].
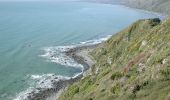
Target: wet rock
[56,78]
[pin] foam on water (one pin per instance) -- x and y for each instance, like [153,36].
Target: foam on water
[57,55]
[24,94]
[44,81]
[95,41]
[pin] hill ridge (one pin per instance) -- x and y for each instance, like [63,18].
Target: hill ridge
[132,64]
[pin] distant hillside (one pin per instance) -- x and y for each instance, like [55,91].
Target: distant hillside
[134,64]
[161,6]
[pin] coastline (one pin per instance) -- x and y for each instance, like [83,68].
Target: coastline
[81,55]
[161,14]
[50,86]
[57,89]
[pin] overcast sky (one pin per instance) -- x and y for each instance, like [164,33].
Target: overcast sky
[38,0]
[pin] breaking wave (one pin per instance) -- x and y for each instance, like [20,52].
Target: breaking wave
[57,55]
[42,82]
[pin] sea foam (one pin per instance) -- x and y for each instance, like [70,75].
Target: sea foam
[57,55]
[94,41]
[42,82]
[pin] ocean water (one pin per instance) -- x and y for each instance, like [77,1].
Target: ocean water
[33,36]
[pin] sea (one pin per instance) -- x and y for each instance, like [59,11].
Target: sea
[34,35]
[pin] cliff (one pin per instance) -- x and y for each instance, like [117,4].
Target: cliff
[160,6]
[133,64]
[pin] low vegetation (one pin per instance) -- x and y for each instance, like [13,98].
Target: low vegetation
[134,64]
[160,6]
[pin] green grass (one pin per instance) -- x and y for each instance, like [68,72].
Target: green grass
[116,75]
[123,79]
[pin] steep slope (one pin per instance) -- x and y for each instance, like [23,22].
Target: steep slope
[133,64]
[161,6]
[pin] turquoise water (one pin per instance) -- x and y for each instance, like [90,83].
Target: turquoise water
[26,28]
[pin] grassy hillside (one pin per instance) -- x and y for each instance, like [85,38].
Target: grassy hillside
[161,6]
[133,64]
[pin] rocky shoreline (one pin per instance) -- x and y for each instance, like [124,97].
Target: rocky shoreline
[79,54]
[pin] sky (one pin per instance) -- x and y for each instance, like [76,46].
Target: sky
[36,0]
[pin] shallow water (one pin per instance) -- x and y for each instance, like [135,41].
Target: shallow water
[28,29]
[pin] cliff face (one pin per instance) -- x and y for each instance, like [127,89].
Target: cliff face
[133,64]
[161,6]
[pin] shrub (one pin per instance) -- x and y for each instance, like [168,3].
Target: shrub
[116,75]
[166,73]
[105,72]
[115,89]
[73,89]
[87,83]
